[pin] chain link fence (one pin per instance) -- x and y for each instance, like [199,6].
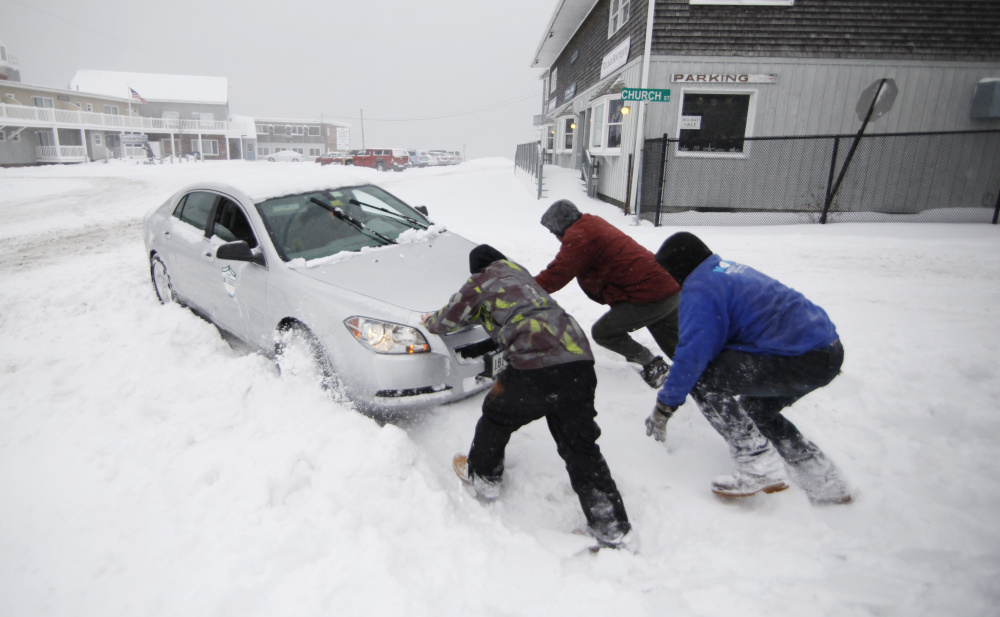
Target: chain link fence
[892,177]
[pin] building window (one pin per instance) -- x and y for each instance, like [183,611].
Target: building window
[42,101]
[288,129]
[619,15]
[714,122]
[314,131]
[262,129]
[298,150]
[206,120]
[552,80]
[550,137]
[3,136]
[566,134]
[209,147]
[171,119]
[262,151]
[111,110]
[314,152]
[90,107]
[607,124]
[747,2]
[97,139]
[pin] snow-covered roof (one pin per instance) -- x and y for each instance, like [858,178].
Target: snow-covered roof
[154,86]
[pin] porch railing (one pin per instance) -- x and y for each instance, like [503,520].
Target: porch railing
[22,115]
[61,153]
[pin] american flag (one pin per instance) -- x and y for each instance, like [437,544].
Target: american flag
[136,96]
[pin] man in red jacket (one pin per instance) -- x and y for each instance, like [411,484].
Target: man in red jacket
[614,269]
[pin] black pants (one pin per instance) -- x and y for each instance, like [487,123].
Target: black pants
[660,318]
[564,396]
[765,386]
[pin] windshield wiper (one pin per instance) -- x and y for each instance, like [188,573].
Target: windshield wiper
[350,220]
[412,222]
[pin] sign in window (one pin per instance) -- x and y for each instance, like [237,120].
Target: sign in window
[713,122]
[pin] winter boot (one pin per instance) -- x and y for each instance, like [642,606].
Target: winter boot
[610,536]
[655,373]
[761,472]
[485,489]
[821,480]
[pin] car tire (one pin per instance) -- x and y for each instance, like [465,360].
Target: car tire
[161,280]
[270,159]
[380,165]
[299,354]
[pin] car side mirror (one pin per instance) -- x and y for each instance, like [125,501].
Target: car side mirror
[239,251]
[422,210]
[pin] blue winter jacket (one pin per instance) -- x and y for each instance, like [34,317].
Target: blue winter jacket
[726,305]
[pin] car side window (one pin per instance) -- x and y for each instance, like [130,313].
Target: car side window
[231,224]
[196,207]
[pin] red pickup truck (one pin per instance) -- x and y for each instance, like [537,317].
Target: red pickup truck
[382,159]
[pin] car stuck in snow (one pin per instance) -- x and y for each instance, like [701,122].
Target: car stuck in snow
[339,272]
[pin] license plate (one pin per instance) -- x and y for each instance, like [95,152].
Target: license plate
[493,363]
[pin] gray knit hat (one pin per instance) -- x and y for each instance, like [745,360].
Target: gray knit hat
[560,216]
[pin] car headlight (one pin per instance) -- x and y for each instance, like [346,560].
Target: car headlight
[386,337]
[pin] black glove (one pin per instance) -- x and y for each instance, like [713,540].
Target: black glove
[478,349]
[656,423]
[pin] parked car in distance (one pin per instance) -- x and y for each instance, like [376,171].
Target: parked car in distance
[432,159]
[445,157]
[334,158]
[383,159]
[327,270]
[418,158]
[286,156]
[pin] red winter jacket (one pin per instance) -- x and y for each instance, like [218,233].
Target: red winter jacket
[610,266]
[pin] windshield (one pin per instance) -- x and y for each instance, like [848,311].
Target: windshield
[301,228]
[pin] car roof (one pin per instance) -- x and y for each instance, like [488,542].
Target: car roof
[256,185]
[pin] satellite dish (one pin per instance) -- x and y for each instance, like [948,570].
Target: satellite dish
[877,97]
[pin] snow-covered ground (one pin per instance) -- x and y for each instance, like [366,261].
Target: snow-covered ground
[147,468]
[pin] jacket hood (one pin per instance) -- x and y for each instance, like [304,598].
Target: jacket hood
[681,253]
[560,216]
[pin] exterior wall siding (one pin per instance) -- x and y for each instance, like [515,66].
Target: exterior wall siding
[899,29]
[819,97]
[590,44]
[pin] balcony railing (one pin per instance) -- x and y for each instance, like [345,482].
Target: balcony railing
[22,115]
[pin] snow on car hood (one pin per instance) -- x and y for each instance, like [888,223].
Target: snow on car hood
[420,274]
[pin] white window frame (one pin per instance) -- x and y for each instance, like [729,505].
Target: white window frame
[261,150]
[747,132]
[548,137]
[553,78]
[262,129]
[746,2]
[209,147]
[599,111]
[314,152]
[560,144]
[90,107]
[297,130]
[314,131]
[46,102]
[111,110]
[618,15]
[98,139]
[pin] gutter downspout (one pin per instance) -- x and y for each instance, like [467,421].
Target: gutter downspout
[640,136]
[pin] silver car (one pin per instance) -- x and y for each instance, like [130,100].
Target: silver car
[341,275]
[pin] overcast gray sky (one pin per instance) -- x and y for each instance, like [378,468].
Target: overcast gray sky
[451,74]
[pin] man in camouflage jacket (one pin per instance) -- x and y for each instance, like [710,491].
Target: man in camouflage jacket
[550,375]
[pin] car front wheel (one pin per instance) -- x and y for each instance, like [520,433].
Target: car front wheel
[300,355]
[380,166]
[161,280]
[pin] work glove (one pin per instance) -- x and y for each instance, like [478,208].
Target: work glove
[656,423]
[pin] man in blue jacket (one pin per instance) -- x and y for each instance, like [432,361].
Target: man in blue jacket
[744,334]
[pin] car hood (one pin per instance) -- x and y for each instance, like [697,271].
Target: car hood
[419,276]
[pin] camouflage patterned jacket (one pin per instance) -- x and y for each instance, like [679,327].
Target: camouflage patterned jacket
[533,330]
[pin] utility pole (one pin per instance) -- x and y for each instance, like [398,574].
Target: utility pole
[362,129]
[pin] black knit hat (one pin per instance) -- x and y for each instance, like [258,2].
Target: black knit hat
[560,216]
[482,256]
[681,253]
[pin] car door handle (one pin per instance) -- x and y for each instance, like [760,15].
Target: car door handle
[208,254]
